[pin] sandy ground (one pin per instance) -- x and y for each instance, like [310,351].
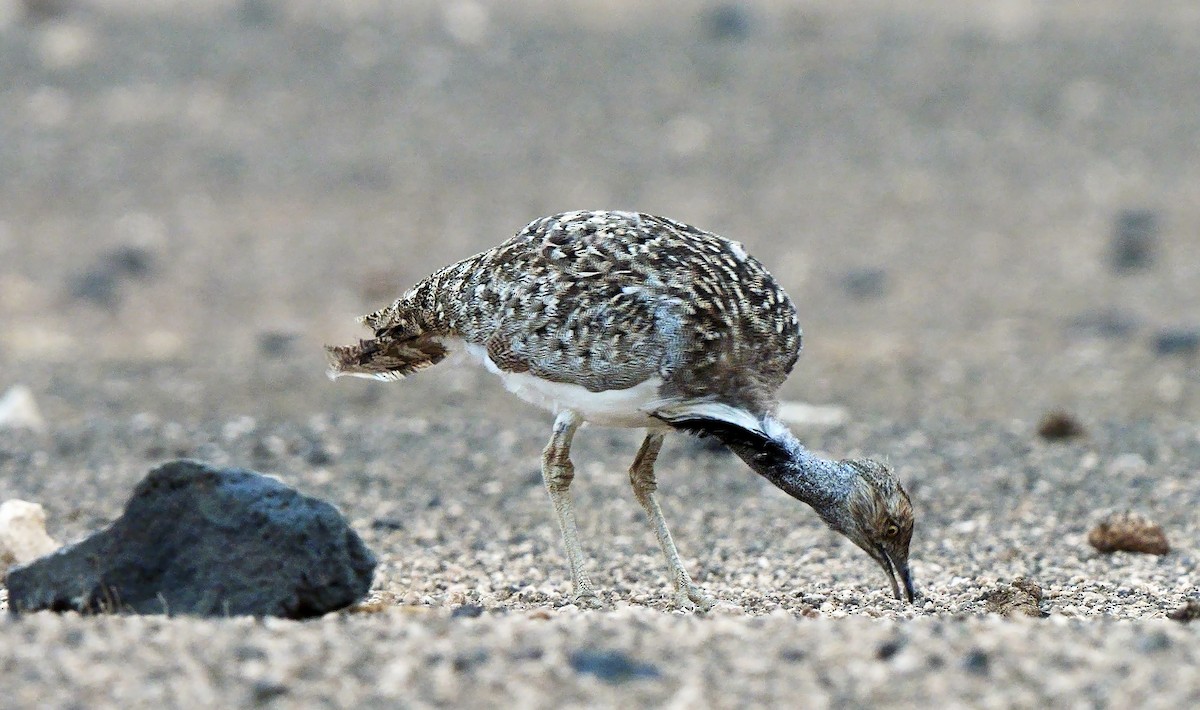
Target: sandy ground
[195,196]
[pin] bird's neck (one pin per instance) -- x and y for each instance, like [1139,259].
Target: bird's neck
[819,482]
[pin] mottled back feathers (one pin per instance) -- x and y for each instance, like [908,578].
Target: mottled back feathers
[605,300]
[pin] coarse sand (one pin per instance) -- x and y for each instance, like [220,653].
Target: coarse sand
[986,214]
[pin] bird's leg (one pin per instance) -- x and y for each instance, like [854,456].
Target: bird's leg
[641,477]
[557,473]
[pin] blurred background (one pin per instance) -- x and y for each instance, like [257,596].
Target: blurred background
[983,210]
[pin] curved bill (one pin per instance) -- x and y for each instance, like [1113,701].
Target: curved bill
[892,567]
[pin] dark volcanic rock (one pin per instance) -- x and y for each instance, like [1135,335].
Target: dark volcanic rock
[213,542]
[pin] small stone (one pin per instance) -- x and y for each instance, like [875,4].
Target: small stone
[1177,341]
[276,343]
[611,666]
[100,283]
[23,535]
[205,541]
[1154,642]
[1058,425]
[96,285]
[19,410]
[465,662]
[387,524]
[1190,611]
[1129,532]
[977,662]
[1110,324]
[128,260]
[467,611]
[866,284]
[1023,597]
[1135,232]
[889,648]
[264,691]
[728,22]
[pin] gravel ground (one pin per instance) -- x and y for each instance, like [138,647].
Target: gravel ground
[986,215]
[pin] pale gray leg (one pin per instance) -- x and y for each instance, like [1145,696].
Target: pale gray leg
[641,477]
[557,473]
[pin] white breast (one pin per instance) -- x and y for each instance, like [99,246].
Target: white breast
[619,408]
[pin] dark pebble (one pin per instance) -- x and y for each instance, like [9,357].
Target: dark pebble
[1057,426]
[611,666]
[98,286]
[977,662]
[469,660]
[249,653]
[528,654]
[1177,341]
[388,524]
[467,611]
[318,455]
[889,648]
[865,284]
[100,283]
[728,22]
[1134,235]
[1109,324]
[131,261]
[792,655]
[276,343]
[263,691]
[1154,642]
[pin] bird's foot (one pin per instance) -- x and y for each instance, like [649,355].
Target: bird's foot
[689,597]
[585,597]
[590,600]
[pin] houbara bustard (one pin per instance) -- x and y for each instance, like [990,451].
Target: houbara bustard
[630,320]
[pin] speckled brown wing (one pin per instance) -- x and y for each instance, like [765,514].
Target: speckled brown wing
[607,300]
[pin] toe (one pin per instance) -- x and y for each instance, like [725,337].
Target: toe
[692,598]
[588,599]
[702,601]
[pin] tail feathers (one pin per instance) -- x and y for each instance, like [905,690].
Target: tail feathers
[385,358]
[733,426]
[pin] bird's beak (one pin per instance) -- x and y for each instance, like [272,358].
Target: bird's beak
[893,564]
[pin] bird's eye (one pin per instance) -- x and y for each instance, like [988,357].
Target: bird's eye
[891,531]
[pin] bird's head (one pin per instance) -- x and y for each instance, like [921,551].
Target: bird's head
[877,516]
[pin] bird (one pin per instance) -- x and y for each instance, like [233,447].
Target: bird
[627,319]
